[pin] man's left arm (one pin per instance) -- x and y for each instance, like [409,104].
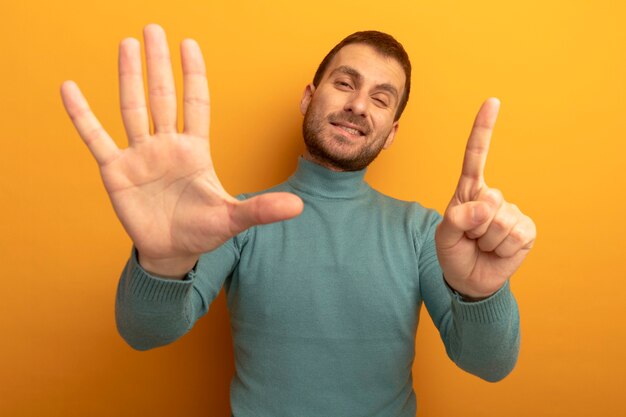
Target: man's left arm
[481,337]
[480,243]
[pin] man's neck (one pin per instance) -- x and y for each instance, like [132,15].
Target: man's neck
[307,155]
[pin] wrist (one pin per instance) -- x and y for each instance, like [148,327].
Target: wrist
[469,298]
[169,268]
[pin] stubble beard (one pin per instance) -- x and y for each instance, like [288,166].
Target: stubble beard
[327,151]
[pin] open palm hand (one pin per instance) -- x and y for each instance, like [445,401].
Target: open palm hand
[163,187]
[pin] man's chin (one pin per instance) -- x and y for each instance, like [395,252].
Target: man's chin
[339,161]
[339,152]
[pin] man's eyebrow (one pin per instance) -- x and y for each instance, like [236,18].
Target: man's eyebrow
[345,69]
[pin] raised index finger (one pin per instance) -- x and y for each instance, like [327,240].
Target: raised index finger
[478,144]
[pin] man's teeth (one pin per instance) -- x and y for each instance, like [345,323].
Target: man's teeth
[350,130]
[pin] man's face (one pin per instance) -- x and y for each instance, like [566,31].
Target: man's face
[349,116]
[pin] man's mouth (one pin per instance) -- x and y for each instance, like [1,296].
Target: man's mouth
[349,129]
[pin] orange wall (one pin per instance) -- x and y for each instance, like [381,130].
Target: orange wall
[558,151]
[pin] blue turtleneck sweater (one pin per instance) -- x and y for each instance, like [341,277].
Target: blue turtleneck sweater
[324,307]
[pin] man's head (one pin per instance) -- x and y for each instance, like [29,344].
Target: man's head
[382,43]
[351,109]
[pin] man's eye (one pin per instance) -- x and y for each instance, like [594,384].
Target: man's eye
[343,84]
[381,102]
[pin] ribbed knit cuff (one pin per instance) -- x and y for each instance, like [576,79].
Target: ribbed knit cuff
[151,288]
[492,309]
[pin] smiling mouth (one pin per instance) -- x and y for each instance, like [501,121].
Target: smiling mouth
[348,129]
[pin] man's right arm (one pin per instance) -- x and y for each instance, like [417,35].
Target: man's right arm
[165,191]
[152,311]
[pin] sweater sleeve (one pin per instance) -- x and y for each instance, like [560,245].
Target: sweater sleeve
[152,311]
[481,337]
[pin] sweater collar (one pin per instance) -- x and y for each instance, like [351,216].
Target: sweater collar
[317,180]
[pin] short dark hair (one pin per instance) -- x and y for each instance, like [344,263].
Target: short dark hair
[385,45]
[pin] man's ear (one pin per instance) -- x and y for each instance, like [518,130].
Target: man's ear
[306,98]
[391,135]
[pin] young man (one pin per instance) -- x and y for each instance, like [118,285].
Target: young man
[324,275]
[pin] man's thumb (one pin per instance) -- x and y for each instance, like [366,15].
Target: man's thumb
[265,208]
[459,219]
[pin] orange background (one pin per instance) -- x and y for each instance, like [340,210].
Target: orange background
[558,152]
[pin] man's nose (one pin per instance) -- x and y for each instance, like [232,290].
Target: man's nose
[357,103]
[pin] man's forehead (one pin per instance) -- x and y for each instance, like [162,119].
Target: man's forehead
[368,63]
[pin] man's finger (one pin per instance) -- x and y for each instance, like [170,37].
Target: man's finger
[132,96]
[459,219]
[196,93]
[265,208]
[495,199]
[520,238]
[89,128]
[161,88]
[506,218]
[478,145]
